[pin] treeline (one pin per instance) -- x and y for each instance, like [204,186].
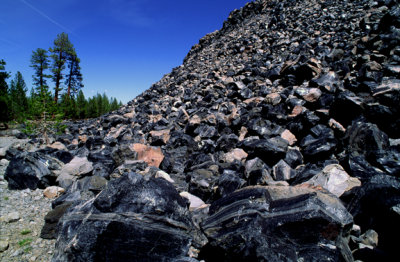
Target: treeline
[61,65]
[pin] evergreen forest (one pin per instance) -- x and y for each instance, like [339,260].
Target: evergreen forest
[56,93]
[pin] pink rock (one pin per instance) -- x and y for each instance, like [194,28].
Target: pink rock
[151,155]
[288,136]
[312,95]
[235,154]
[164,135]
[297,110]
[273,98]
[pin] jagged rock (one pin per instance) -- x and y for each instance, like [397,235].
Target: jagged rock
[151,155]
[372,208]
[53,191]
[228,182]
[283,172]
[320,143]
[275,224]
[293,157]
[32,170]
[334,179]
[236,154]
[133,218]
[319,75]
[257,172]
[78,167]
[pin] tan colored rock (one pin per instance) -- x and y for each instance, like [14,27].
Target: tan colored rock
[334,179]
[243,133]
[153,156]
[155,118]
[78,166]
[58,145]
[164,135]
[235,154]
[336,125]
[164,175]
[312,95]
[195,120]
[273,98]
[288,136]
[297,110]
[53,192]
[256,100]
[83,138]
[130,115]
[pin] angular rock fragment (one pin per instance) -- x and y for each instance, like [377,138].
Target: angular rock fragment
[151,155]
[133,218]
[334,179]
[268,223]
[32,170]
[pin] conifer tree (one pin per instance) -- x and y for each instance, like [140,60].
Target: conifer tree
[4,99]
[18,99]
[40,99]
[60,52]
[81,105]
[40,63]
[74,77]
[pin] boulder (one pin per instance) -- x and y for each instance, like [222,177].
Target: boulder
[277,223]
[374,205]
[334,179]
[32,170]
[133,219]
[151,155]
[77,168]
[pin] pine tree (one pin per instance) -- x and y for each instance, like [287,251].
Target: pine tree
[105,104]
[40,63]
[81,105]
[40,99]
[114,104]
[18,99]
[92,107]
[4,99]
[74,77]
[60,52]
[68,107]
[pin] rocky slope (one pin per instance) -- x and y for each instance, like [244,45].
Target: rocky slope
[276,140]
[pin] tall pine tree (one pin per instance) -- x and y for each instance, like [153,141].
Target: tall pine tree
[18,99]
[40,63]
[40,100]
[81,105]
[74,77]
[60,52]
[4,100]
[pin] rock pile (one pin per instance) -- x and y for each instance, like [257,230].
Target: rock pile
[276,140]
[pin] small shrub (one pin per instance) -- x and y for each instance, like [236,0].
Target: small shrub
[25,242]
[26,232]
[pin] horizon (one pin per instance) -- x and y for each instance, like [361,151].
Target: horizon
[124,46]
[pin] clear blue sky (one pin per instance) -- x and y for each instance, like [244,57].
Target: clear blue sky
[124,45]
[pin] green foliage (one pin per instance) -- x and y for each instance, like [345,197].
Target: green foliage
[40,63]
[6,198]
[25,242]
[18,104]
[61,50]
[26,232]
[42,111]
[4,98]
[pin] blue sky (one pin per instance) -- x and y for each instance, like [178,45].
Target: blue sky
[124,45]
